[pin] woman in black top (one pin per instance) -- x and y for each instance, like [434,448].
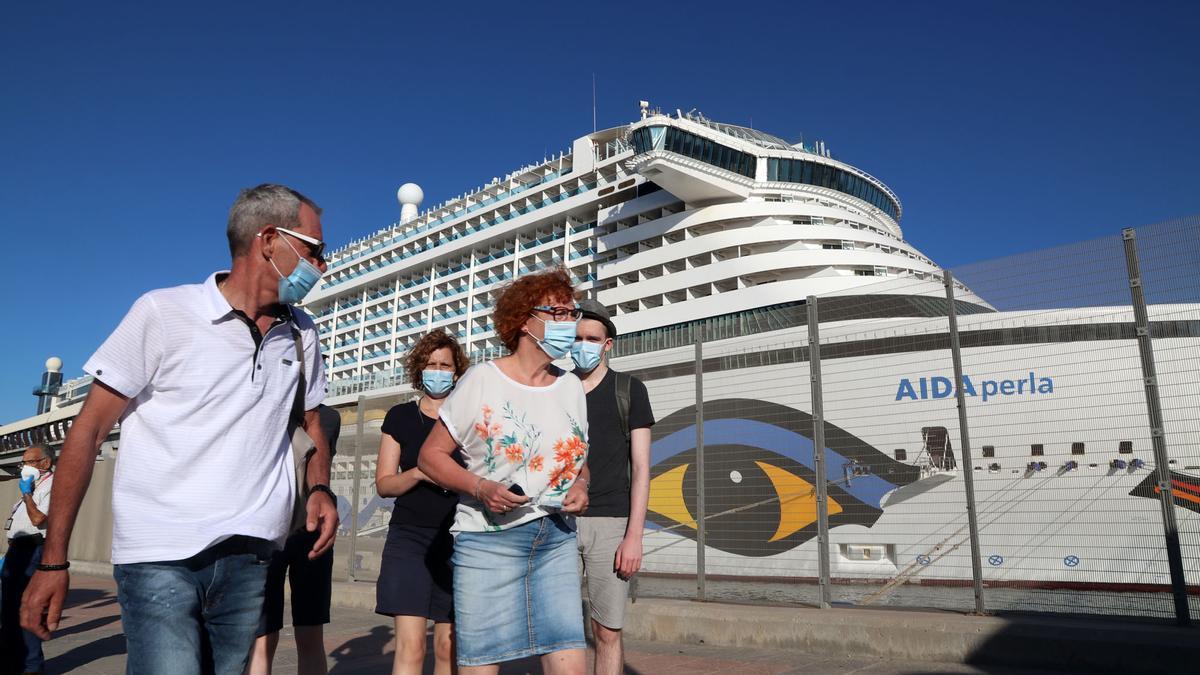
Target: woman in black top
[415,577]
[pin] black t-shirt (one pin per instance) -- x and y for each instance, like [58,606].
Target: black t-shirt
[608,449]
[331,426]
[426,505]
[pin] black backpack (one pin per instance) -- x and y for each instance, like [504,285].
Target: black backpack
[622,387]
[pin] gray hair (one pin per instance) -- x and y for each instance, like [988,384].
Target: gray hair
[257,207]
[46,451]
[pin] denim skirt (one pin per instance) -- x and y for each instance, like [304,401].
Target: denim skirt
[516,592]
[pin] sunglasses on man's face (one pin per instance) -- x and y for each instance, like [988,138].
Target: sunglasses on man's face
[316,247]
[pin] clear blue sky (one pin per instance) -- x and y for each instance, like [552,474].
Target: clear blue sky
[126,129]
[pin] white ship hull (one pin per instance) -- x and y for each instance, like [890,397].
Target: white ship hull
[1064,525]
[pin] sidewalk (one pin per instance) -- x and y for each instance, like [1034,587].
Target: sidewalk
[359,641]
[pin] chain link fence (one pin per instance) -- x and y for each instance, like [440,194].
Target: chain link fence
[1014,435]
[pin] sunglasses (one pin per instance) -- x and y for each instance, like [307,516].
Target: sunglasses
[316,247]
[560,313]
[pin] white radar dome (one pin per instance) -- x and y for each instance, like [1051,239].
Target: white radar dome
[53,364]
[410,193]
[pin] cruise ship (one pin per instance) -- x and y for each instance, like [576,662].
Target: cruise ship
[688,228]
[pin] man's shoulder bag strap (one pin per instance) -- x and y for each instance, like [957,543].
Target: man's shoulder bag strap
[302,444]
[622,387]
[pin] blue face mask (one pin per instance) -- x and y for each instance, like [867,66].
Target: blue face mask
[586,355]
[296,285]
[437,383]
[559,337]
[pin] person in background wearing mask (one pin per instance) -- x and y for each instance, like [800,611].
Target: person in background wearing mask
[610,533]
[311,581]
[521,423]
[21,650]
[415,578]
[203,378]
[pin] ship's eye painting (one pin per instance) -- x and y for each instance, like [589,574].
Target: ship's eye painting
[760,493]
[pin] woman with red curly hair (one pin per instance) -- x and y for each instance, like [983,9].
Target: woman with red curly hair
[415,578]
[521,423]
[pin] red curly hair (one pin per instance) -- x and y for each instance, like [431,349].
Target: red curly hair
[519,298]
[418,357]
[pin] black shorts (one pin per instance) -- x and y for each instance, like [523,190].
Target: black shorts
[416,577]
[311,582]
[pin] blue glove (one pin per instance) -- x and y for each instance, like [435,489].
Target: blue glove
[26,485]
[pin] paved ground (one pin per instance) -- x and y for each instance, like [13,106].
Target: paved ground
[90,641]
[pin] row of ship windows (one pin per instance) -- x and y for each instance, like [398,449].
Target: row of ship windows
[424,279]
[823,175]
[460,286]
[779,169]
[447,238]
[1035,450]
[696,147]
[420,229]
[326,326]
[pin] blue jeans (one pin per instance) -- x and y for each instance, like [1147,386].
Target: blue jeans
[516,592]
[20,650]
[193,616]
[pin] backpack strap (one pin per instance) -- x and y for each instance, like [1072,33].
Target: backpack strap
[297,418]
[622,387]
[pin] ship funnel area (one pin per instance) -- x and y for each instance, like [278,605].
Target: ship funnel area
[51,381]
[410,196]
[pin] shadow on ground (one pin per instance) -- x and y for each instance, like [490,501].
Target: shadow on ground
[369,654]
[77,657]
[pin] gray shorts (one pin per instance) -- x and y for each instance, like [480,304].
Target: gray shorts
[598,538]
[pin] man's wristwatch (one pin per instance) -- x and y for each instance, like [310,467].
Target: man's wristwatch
[322,488]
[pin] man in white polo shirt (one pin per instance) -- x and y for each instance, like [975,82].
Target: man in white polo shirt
[203,378]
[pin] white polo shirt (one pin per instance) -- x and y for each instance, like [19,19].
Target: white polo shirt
[204,453]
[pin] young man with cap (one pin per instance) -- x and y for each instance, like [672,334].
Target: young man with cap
[610,532]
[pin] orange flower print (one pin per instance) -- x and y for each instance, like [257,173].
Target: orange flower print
[562,475]
[577,446]
[563,453]
[515,453]
[535,464]
[487,412]
[570,450]
[482,430]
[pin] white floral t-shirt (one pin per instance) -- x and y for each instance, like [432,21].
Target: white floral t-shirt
[535,437]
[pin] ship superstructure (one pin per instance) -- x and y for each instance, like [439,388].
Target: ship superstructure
[670,220]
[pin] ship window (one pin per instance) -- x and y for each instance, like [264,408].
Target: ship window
[989,451]
[1125,447]
[901,454]
[1077,448]
[1037,450]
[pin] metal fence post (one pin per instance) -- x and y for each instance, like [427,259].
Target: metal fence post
[1157,433]
[818,437]
[700,514]
[358,443]
[968,468]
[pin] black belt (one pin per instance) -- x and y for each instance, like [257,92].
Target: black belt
[27,540]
